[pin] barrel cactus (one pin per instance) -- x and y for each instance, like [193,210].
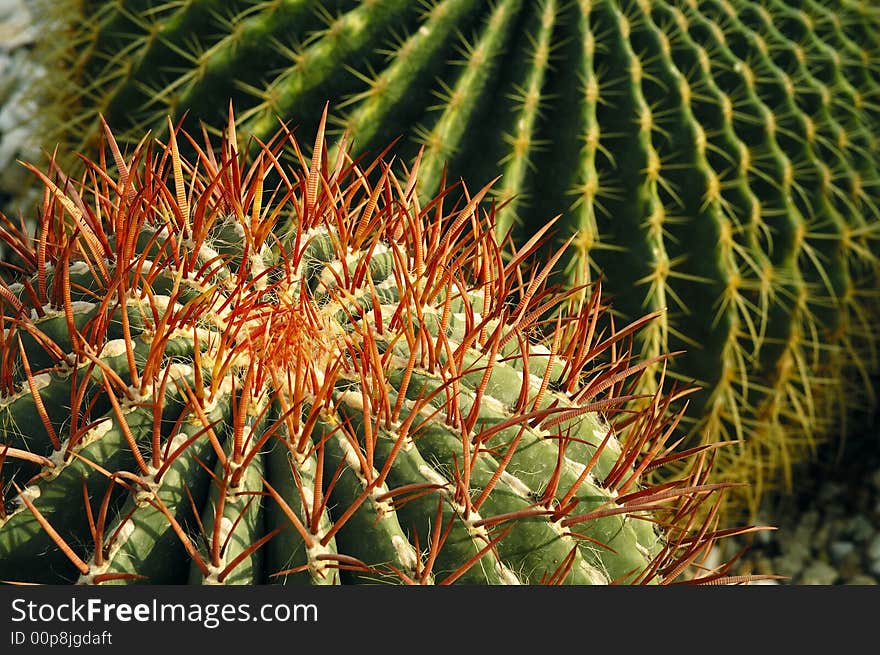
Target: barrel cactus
[209,378]
[712,159]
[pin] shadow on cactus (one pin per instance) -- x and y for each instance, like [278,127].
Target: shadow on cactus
[713,160]
[210,379]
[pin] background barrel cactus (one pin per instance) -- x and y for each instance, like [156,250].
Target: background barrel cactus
[714,159]
[205,378]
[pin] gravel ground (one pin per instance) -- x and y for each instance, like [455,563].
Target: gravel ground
[828,533]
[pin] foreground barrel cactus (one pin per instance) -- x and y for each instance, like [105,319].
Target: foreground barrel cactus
[318,381]
[714,159]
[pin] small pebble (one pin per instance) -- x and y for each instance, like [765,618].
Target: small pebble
[840,550]
[819,573]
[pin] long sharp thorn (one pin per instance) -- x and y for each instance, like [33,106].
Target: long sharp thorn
[52,532]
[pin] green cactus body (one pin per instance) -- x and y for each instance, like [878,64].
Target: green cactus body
[713,160]
[209,381]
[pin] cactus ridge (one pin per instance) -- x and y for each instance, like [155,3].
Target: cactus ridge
[714,159]
[208,379]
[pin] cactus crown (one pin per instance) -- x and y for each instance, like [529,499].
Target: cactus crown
[228,370]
